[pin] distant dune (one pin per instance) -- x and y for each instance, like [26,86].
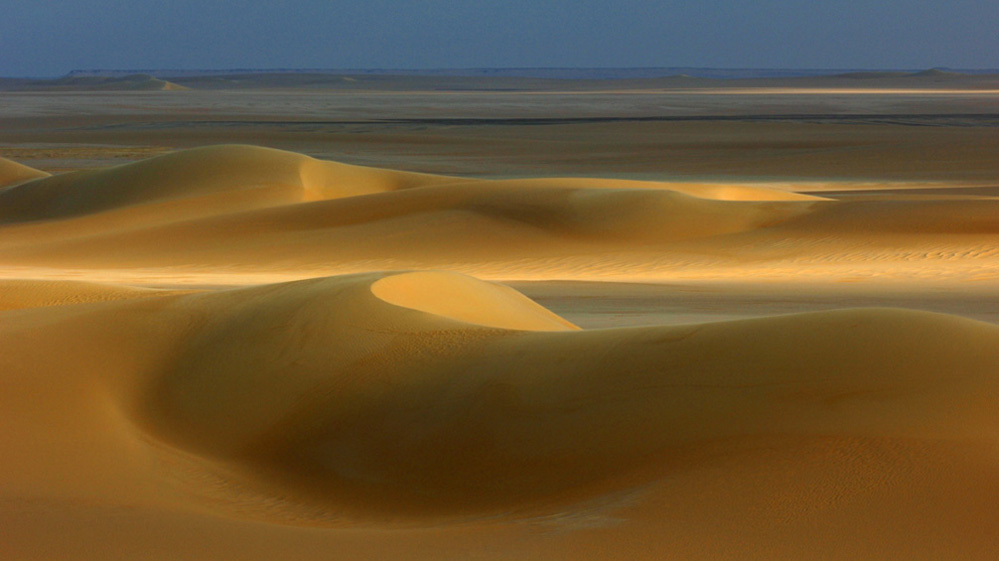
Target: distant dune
[241,209]
[12,173]
[242,176]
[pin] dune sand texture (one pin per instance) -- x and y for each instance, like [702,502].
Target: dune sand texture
[375,415]
[12,173]
[241,209]
[427,413]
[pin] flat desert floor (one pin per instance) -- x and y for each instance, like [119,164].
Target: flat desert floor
[632,324]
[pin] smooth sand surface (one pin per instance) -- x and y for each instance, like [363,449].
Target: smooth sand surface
[240,352]
[232,210]
[337,412]
[12,173]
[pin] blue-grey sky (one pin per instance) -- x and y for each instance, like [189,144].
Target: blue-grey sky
[51,37]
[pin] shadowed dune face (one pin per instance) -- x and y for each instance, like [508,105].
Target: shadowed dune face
[339,390]
[718,192]
[236,171]
[452,227]
[252,206]
[241,172]
[381,399]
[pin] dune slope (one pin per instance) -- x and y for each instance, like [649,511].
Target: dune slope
[374,413]
[12,173]
[239,171]
[27,293]
[237,209]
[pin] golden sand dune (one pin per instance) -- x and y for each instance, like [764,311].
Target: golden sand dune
[433,415]
[712,191]
[24,293]
[429,414]
[12,173]
[244,176]
[460,298]
[261,208]
[238,177]
[236,209]
[429,227]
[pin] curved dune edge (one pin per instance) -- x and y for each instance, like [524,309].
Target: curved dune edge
[393,411]
[232,210]
[263,209]
[464,299]
[234,175]
[323,409]
[711,191]
[13,173]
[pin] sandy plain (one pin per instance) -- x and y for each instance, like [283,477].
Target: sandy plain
[749,323]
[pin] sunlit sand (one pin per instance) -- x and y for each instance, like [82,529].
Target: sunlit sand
[233,351]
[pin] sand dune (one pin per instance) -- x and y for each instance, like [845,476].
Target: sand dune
[256,207]
[376,399]
[26,293]
[12,173]
[252,175]
[162,396]
[246,209]
[432,227]
[242,172]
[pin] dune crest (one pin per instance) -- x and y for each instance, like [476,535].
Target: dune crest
[711,191]
[13,173]
[236,177]
[460,298]
[238,209]
[259,208]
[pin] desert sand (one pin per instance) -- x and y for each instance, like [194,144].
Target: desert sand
[475,350]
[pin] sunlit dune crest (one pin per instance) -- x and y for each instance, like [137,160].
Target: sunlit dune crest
[254,175]
[12,173]
[458,297]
